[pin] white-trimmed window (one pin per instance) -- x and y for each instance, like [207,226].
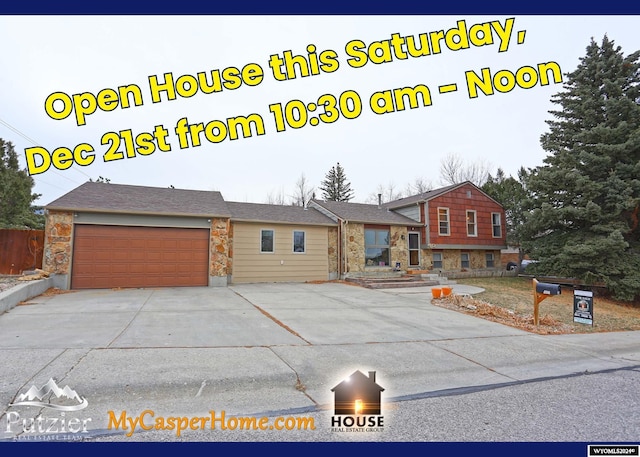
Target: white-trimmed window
[443,221]
[472,226]
[496,223]
[437,259]
[267,241]
[464,260]
[299,242]
[490,259]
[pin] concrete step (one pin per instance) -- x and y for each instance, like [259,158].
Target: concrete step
[392,282]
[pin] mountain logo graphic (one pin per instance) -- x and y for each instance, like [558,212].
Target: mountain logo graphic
[67,398]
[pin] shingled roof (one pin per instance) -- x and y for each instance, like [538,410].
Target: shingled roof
[257,212]
[364,213]
[127,199]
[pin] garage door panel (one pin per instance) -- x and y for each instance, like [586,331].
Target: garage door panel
[123,256]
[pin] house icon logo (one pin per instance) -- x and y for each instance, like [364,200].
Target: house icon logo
[52,396]
[357,403]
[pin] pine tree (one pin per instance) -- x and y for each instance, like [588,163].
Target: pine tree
[511,194]
[585,200]
[16,199]
[335,186]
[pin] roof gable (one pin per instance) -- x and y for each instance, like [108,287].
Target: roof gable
[363,213]
[430,195]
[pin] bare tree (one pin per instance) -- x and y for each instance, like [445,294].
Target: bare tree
[453,170]
[418,186]
[276,197]
[302,192]
[385,193]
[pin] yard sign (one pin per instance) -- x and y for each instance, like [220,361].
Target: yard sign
[583,306]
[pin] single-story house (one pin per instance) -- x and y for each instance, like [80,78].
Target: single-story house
[103,235]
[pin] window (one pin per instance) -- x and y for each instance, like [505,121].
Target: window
[471,223]
[443,221]
[376,244]
[489,259]
[496,222]
[464,260]
[266,241]
[437,259]
[298,241]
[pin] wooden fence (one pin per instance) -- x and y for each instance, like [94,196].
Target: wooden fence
[20,250]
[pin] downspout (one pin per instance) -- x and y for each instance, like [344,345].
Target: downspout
[339,248]
[345,252]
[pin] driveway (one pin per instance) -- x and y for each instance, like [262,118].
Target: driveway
[256,348]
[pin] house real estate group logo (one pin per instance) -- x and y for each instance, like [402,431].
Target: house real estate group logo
[357,404]
[46,426]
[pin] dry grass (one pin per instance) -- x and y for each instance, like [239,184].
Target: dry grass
[510,302]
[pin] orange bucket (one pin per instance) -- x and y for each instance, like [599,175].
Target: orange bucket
[436,291]
[446,291]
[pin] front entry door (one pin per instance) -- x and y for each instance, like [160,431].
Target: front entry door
[414,249]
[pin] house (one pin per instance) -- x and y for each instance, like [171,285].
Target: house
[461,228]
[371,238]
[358,394]
[103,235]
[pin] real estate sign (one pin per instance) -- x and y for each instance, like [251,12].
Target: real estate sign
[583,306]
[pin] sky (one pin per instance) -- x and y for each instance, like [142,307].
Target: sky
[55,59]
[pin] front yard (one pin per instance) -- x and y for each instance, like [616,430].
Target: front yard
[509,300]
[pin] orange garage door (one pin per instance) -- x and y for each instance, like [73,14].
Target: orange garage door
[107,256]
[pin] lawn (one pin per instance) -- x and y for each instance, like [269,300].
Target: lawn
[509,300]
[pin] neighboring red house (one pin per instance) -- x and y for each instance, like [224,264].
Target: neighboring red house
[461,228]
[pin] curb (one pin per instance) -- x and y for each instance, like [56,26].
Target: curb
[10,298]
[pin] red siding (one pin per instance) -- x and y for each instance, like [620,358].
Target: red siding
[458,203]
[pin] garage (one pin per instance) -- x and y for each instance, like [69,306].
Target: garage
[108,256]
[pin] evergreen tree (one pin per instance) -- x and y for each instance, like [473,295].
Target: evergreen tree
[511,194]
[335,186]
[585,200]
[16,199]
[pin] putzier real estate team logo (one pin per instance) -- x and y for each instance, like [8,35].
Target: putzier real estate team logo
[357,404]
[52,396]
[43,427]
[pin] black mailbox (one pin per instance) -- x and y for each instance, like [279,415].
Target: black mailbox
[548,289]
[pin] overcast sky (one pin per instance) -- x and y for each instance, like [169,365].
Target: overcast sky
[72,55]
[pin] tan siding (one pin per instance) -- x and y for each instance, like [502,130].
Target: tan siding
[250,265]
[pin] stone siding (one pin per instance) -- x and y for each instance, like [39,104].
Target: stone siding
[219,248]
[399,244]
[58,234]
[355,248]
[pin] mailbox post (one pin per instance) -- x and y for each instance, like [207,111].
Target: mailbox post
[542,290]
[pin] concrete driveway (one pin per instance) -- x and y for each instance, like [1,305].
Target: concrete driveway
[257,348]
